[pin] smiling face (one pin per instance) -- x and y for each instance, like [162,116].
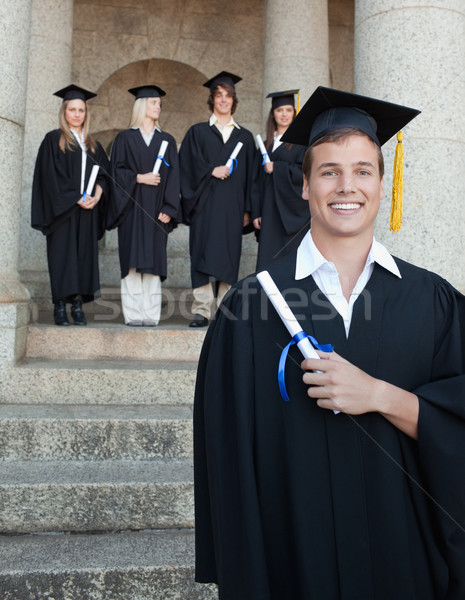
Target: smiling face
[153,109]
[75,113]
[222,102]
[283,116]
[344,188]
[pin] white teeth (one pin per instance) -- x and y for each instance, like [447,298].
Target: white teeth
[349,206]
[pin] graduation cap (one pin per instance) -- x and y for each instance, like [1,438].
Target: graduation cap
[328,110]
[223,77]
[74,92]
[282,98]
[147,91]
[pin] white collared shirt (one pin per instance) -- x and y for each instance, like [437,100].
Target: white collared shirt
[310,261]
[148,136]
[225,130]
[80,140]
[276,141]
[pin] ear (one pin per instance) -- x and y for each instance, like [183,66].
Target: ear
[381,189]
[306,189]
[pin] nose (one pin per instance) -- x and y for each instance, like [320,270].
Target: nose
[346,184]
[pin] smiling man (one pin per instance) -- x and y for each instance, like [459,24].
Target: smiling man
[295,501]
[215,197]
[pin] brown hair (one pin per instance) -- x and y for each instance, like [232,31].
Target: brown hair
[271,128]
[231,92]
[67,139]
[334,137]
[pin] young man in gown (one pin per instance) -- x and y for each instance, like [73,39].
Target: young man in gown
[215,197]
[293,500]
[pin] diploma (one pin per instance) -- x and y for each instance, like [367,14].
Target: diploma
[91,183]
[286,315]
[161,155]
[261,145]
[234,153]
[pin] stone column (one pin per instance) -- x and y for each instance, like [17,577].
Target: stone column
[14,50]
[413,52]
[49,70]
[296,47]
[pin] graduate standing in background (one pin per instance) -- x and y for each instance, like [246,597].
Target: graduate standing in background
[293,501]
[144,206]
[278,211]
[71,218]
[215,196]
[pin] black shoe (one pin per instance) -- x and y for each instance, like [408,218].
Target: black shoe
[59,313]
[77,312]
[199,321]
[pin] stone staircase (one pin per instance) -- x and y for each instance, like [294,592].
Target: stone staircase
[96,493]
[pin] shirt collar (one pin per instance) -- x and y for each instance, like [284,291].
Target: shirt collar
[310,259]
[155,128]
[214,121]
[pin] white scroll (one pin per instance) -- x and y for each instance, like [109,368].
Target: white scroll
[160,157]
[91,182]
[261,145]
[286,314]
[234,153]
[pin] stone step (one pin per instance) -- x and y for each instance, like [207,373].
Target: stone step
[99,381]
[96,341]
[148,565]
[73,432]
[95,496]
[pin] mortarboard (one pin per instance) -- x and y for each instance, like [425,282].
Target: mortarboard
[223,77]
[282,98]
[74,92]
[328,110]
[147,91]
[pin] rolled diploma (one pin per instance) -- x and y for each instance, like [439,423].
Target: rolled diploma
[261,145]
[286,314]
[234,153]
[92,178]
[161,154]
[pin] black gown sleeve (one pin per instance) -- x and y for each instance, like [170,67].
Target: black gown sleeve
[228,533]
[54,192]
[441,432]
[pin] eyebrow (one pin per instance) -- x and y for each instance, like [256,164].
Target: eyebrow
[360,163]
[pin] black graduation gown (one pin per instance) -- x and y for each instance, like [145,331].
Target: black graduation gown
[72,232]
[277,199]
[134,207]
[214,208]
[294,502]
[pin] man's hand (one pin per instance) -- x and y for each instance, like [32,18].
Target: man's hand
[164,218]
[257,223]
[343,386]
[148,178]
[221,172]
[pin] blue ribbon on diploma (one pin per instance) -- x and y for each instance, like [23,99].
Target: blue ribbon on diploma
[264,157]
[233,165]
[282,360]
[84,197]
[164,160]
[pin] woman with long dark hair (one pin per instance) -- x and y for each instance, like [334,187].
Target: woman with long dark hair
[66,209]
[280,215]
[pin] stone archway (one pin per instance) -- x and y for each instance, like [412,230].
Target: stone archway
[184,104]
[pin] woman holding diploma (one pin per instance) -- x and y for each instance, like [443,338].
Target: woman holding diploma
[279,213]
[67,208]
[144,206]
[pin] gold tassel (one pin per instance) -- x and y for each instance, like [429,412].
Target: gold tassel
[395,221]
[298,103]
